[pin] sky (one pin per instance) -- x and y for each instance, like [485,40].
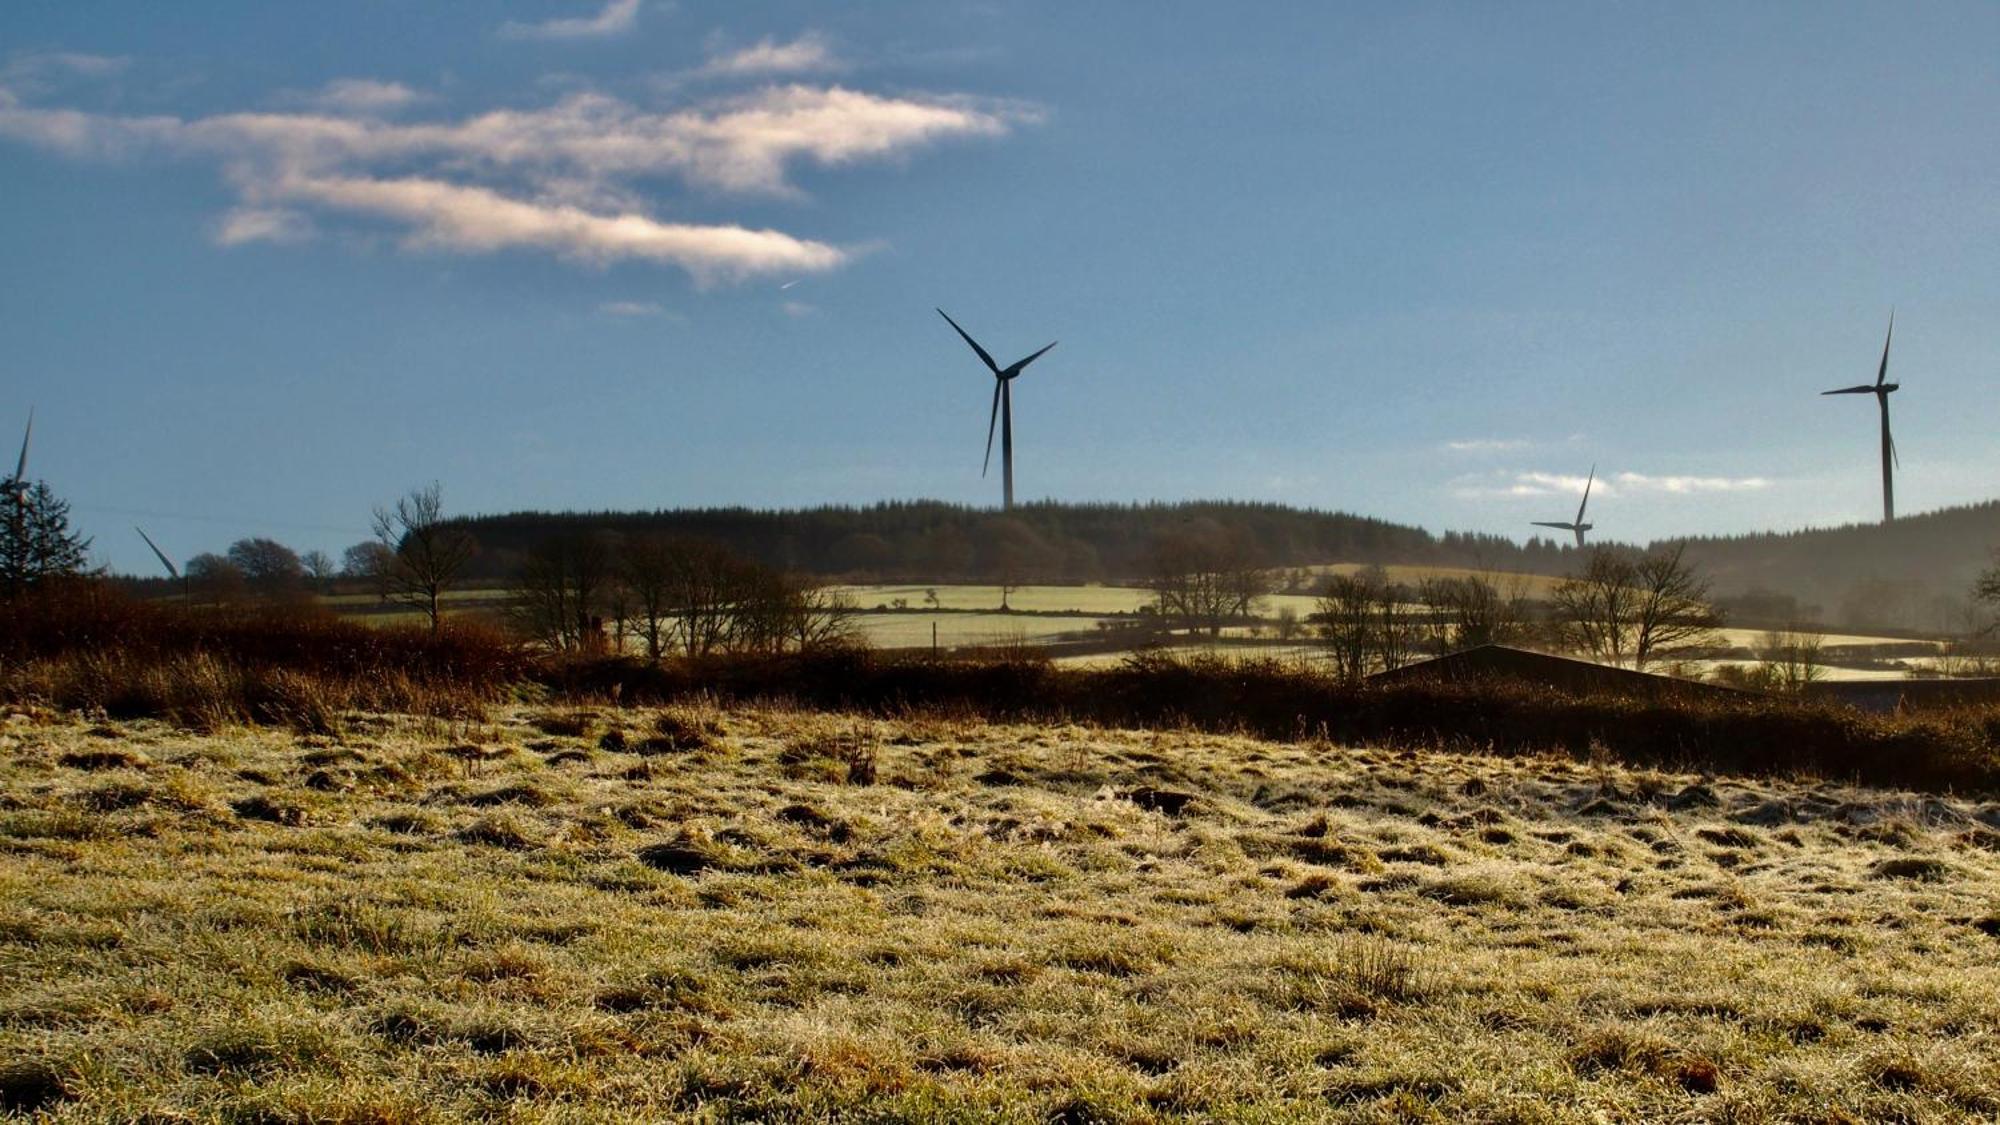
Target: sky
[264,267]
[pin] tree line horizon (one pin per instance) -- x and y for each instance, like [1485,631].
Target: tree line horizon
[1912,574]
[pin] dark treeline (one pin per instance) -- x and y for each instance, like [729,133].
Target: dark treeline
[924,540]
[1916,573]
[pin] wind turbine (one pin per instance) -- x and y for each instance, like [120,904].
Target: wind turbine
[1881,388]
[165,561]
[1003,407]
[1577,525]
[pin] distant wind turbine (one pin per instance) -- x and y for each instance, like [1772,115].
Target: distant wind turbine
[1003,407]
[1881,388]
[1577,525]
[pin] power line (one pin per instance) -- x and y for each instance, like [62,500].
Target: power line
[238,521]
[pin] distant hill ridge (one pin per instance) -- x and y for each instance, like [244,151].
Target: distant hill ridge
[1900,575]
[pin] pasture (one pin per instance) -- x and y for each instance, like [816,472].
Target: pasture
[694,914]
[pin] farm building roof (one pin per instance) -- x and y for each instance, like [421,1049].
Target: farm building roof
[1504,664]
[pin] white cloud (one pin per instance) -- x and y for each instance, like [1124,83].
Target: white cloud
[1534,483]
[631,308]
[263,224]
[363,96]
[808,54]
[1487,445]
[445,216]
[1640,482]
[565,178]
[616,18]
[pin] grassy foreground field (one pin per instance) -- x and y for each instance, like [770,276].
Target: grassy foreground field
[617,915]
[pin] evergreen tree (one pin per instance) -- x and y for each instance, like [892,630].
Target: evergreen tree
[36,543]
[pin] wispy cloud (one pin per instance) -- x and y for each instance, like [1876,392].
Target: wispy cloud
[616,18]
[1487,445]
[362,96]
[38,70]
[631,308]
[263,224]
[808,54]
[1641,482]
[562,179]
[1535,483]
[798,309]
[443,216]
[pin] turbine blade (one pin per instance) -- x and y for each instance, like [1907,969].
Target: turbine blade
[157,553]
[987,359]
[1592,479]
[1863,389]
[1882,374]
[21,466]
[991,421]
[1016,369]
[1564,526]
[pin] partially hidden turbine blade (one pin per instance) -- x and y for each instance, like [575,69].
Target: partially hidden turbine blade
[21,466]
[157,553]
[991,421]
[987,359]
[1882,373]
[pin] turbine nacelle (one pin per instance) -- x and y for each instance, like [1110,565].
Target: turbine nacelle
[1577,526]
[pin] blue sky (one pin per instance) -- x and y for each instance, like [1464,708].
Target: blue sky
[265,266]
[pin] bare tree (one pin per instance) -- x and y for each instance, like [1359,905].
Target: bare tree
[1986,596]
[272,569]
[558,595]
[1345,619]
[214,579]
[1461,613]
[1595,609]
[371,562]
[708,586]
[647,571]
[813,617]
[429,554]
[1790,658]
[1670,609]
[319,567]
[1395,635]
[1202,579]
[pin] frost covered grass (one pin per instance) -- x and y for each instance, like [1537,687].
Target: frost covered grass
[588,913]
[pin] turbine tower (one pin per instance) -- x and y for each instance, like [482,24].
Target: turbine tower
[1003,407]
[1576,525]
[1881,388]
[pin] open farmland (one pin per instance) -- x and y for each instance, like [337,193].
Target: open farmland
[590,914]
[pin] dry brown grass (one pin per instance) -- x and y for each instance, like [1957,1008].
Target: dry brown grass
[399,921]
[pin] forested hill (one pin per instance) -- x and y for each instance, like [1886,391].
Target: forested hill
[1912,574]
[1046,542]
